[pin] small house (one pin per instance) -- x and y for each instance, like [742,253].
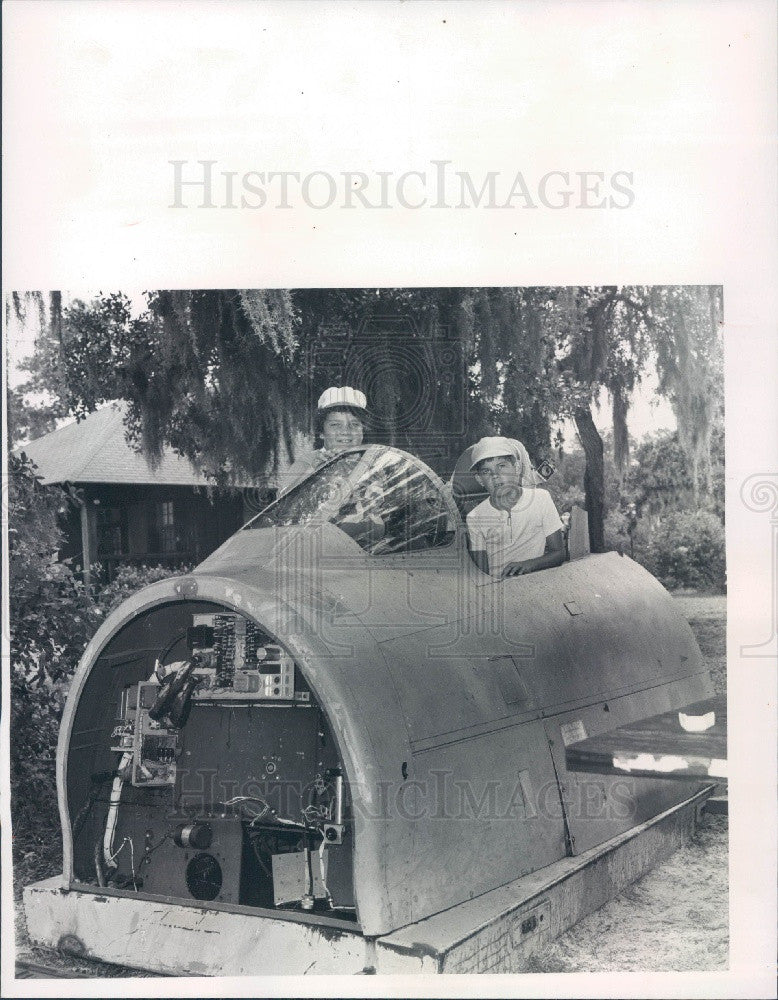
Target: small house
[131,512]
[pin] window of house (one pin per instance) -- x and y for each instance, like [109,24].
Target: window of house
[167,527]
[164,532]
[111,530]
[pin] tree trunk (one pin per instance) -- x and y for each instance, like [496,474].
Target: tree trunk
[594,476]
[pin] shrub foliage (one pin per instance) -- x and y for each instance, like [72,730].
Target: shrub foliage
[686,549]
[52,617]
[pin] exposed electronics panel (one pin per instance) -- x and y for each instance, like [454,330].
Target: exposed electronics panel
[233,662]
[238,662]
[153,745]
[199,859]
[217,767]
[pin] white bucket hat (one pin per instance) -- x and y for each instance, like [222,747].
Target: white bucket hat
[342,396]
[494,447]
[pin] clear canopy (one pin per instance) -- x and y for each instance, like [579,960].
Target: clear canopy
[385,500]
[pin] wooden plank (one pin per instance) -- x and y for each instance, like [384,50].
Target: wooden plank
[181,939]
[35,970]
[659,746]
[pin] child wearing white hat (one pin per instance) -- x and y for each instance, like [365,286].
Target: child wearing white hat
[340,420]
[517,529]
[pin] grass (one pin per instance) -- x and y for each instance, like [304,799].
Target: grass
[32,865]
[708,619]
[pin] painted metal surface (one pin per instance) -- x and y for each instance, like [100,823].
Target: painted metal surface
[499,931]
[450,695]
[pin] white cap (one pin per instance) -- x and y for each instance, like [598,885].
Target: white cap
[342,396]
[493,447]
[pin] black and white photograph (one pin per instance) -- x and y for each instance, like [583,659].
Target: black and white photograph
[395,661]
[382,620]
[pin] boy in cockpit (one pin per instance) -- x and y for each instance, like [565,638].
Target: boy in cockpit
[517,529]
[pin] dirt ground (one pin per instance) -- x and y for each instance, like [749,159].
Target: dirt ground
[673,919]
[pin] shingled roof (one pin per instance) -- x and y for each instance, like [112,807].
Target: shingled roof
[95,450]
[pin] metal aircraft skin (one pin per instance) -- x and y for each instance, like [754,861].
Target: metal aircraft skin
[449,696]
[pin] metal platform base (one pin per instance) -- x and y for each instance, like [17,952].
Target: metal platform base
[496,932]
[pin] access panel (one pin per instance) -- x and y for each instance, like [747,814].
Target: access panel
[222,763]
[598,807]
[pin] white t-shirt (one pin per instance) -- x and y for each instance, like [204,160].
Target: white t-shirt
[516,534]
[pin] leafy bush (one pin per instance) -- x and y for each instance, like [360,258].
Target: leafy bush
[128,578]
[617,528]
[660,479]
[52,617]
[685,549]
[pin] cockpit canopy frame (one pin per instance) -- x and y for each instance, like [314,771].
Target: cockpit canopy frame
[386,500]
